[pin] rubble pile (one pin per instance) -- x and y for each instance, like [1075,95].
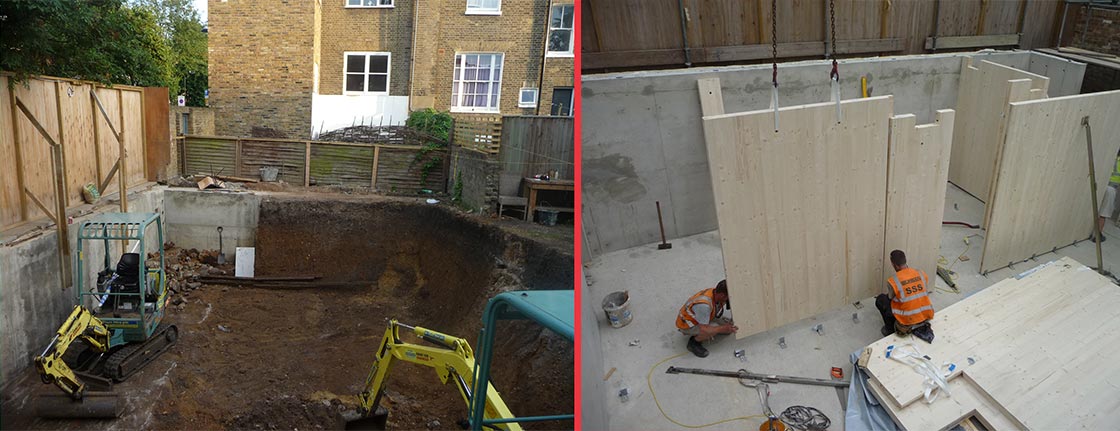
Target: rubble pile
[184,267]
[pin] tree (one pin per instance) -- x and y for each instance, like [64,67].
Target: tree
[183,30]
[98,40]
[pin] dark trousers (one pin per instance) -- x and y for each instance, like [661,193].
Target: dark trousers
[883,303]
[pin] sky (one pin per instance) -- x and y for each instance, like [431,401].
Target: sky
[200,6]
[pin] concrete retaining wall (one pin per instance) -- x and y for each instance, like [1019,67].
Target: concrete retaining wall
[479,173]
[643,140]
[193,216]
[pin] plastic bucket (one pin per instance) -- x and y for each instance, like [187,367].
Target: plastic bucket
[548,217]
[617,307]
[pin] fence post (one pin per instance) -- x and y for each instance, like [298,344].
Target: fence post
[23,209]
[122,179]
[307,164]
[373,176]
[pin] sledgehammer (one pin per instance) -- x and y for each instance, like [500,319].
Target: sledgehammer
[664,245]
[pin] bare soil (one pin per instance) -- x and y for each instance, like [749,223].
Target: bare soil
[250,358]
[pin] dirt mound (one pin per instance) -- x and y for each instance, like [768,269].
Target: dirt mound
[288,412]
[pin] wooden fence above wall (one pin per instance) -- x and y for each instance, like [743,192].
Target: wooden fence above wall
[675,33]
[386,167]
[483,134]
[89,138]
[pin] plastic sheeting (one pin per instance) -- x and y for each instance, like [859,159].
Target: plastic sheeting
[864,411]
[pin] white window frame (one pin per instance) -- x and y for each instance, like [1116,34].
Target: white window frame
[346,4]
[479,10]
[571,33]
[521,103]
[365,81]
[473,109]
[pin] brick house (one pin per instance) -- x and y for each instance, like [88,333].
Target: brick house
[299,66]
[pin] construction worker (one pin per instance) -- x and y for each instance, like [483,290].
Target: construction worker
[1108,203]
[701,318]
[907,306]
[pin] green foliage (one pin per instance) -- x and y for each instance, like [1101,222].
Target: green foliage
[438,125]
[106,41]
[457,192]
[432,122]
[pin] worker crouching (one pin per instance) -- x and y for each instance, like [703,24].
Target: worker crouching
[907,308]
[701,318]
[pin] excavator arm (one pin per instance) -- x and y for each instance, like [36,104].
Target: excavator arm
[53,369]
[453,360]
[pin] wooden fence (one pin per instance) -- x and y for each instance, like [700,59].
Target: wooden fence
[385,167]
[57,135]
[535,145]
[631,33]
[483,134]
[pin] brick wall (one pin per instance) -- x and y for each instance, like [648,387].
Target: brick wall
[201,120]
[1101,33]
[479,173]
[262,65]
[519,33]
[365,29]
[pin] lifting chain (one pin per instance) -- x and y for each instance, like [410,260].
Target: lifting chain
[774,37]
[835,75]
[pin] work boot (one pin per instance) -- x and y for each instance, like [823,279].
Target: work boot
[696,348]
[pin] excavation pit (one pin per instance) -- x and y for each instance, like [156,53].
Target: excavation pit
[283,358]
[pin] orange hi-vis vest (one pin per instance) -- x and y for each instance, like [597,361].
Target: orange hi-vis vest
[911,304]
[686,318]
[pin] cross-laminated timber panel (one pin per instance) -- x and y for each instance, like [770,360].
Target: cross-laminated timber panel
[917,172]
[1042,346]
[982,101]
[801,210]
[1040,196]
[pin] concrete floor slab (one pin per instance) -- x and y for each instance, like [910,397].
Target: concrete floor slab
[660,280]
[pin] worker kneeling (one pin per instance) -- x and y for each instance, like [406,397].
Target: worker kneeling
[907,308]
[701,318]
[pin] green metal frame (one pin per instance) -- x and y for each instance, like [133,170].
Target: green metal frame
[553,309]
[107,227]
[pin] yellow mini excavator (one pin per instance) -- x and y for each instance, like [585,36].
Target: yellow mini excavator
[121,331]
[454,361]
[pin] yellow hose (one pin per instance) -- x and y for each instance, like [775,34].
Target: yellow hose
[649,382]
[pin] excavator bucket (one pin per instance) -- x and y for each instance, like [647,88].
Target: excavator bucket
[105,405]
[372,421]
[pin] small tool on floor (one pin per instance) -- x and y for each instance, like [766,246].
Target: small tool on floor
[837,373]
[767,378]
[664,245]
[221,252]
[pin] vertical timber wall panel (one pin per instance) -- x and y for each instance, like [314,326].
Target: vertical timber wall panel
[1040,196]
[535,145]
[10,206]
[133,137]
[81,153]
[27,163]
[157,133]
[918,170]
[982,100]
[801,211]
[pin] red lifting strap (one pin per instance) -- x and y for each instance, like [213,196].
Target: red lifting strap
[776,74]
[835,70]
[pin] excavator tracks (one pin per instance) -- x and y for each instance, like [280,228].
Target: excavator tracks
[134,356]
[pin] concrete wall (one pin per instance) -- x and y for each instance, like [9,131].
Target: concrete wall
[34,304]
[192,218]
[479,173]
[643,140]
[1065,75]
[593,400]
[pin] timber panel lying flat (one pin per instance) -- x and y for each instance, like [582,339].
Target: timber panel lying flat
[917,166]
[1041,196]
[801,210]
[982,101]
[1042,348]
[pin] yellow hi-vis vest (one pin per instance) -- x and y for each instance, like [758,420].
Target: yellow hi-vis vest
[1115,179]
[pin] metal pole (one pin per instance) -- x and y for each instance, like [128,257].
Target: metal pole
[1065,11]
[1093,189]
[684,34]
